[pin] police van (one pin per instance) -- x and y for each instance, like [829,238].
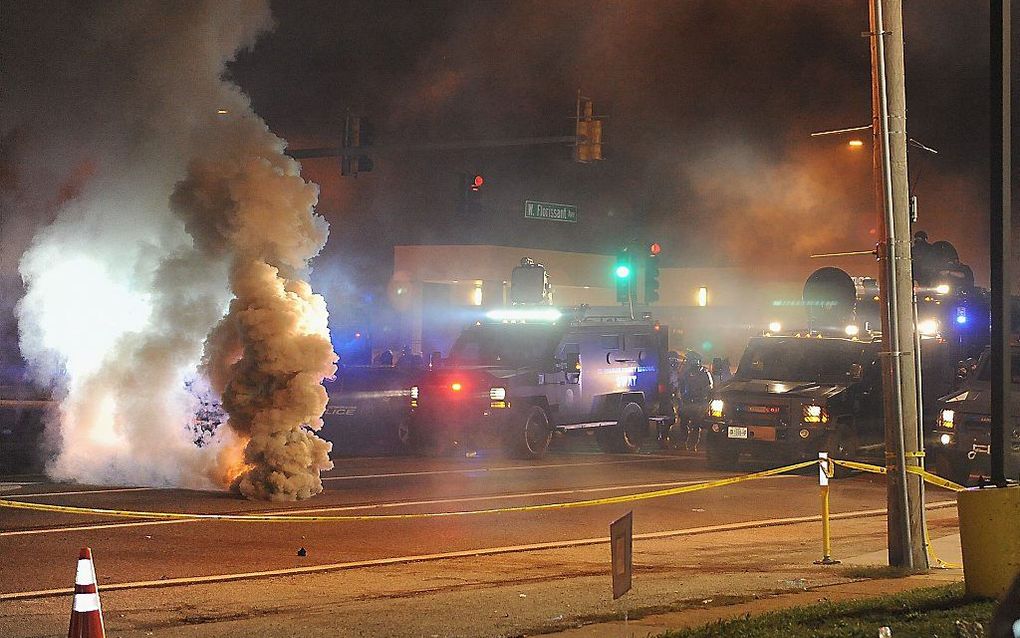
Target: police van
[527,372]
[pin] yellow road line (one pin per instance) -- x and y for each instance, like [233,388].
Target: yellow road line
[366,506]
[509,468]
[487,551]
[288,518]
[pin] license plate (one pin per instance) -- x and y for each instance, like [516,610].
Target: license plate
[736,433]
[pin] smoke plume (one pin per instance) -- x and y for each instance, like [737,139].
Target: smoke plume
[175,264]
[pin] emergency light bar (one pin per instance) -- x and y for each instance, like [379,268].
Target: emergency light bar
[524,314]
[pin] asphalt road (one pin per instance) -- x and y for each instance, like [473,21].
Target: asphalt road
[38,550]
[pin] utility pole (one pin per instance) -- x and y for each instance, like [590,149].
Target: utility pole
[896,285]
[1001,237]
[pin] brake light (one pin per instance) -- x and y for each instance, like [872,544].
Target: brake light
[456,386]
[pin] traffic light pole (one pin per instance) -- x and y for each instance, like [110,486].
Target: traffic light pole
[902,418]
[315,153]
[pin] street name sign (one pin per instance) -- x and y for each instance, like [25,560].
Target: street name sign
[550,211]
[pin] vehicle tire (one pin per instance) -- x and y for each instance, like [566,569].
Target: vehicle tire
[628,434]
[953,467]
[425,441]
[529,434]
[401,440]
[721,456]
[842,444]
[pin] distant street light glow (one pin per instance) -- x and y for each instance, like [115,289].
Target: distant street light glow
[855,143]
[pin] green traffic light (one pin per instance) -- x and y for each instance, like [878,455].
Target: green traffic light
[622,271]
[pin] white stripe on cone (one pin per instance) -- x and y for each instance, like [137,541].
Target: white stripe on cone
[86,574]
[86,602]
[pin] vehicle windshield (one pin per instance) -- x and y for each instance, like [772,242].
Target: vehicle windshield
[512,345]
[984,370]
[803,359]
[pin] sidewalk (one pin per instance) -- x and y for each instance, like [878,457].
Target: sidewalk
[946,548]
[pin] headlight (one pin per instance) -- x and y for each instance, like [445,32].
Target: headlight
[928,327]
[815,414]
[852,331]
[414,392]
[947,419]
[497,394]
[946,439]
[715,408]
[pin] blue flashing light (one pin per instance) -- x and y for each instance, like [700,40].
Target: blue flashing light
[961,318]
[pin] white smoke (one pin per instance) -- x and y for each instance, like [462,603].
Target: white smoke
[182,260]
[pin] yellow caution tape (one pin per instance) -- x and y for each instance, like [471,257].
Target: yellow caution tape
[928,477]
[294,518]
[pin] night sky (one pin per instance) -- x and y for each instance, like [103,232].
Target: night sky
[709,106]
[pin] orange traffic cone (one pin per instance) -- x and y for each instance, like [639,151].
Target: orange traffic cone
[86,616]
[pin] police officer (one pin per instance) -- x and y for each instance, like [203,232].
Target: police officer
[695,391]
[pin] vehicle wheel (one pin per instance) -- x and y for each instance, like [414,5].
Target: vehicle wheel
[721,456]
[425,441]
[953,467]
[401,439]
[628,434]
[529,434]
[842,444]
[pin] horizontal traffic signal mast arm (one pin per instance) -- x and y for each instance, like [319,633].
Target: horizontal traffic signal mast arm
[315,153]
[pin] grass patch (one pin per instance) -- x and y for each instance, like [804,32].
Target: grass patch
[876,572]
[924,612]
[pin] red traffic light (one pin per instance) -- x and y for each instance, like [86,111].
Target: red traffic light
[654,249]
[476,182]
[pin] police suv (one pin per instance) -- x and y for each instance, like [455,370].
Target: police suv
[527,372]
[797,394]
[961,436]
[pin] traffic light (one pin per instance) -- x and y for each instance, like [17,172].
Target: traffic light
[588,147]
[623,273]
[358,134]
[471,187]
[652,274]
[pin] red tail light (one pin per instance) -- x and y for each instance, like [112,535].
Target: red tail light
[456,386]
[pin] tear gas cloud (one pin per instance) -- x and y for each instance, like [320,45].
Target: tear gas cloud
[176,267]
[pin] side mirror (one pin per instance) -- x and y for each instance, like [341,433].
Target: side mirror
[856,372]
[435,359]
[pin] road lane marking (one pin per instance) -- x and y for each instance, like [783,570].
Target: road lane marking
[509,468]
[469,553]
[283,517]
[113,490]
[369,506]
[351,477]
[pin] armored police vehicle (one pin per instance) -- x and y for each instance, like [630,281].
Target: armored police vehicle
[959,442]
[529,371]
[796,394]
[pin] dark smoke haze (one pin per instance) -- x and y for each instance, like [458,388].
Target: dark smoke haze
[710,106]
